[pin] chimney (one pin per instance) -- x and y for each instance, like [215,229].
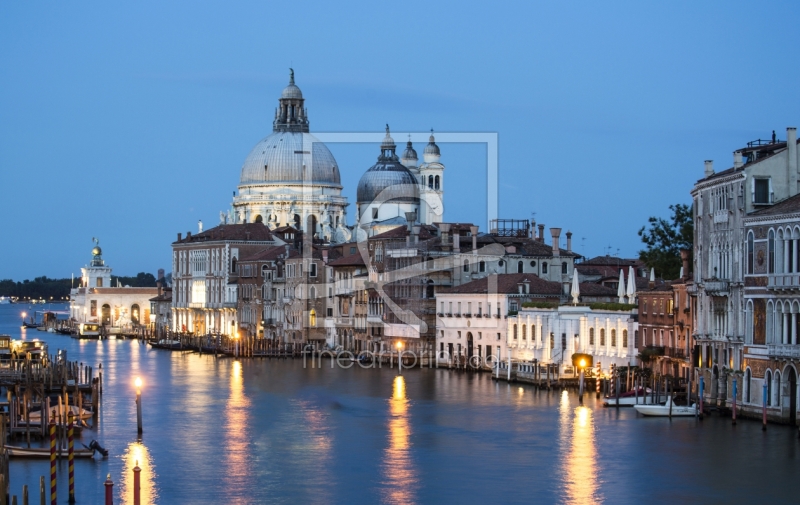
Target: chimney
[474,231]
[709,168]
[652,282]
[556,233]
[685,262]
[179,237]
[286,248]
[411,217]
[533,228]
[456,242]
[199,226]
[415,232]
[569,241]
[541,233]
[325,256]
[188,235]
[737,159]
[444,228]
[791,146]
[158,285]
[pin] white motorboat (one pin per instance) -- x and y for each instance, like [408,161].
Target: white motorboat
[630,398]
[667,410]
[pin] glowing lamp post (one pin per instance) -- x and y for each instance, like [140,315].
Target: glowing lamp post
[582,364]
[399,358]
[138,383]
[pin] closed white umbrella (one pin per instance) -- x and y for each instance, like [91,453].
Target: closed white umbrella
[621,286]
[576,290]
[631,286]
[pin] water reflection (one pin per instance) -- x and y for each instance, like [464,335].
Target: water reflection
[398,467]
[579,470]
[137,453]
[237,434]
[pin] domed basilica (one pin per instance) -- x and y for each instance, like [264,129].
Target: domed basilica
[290,178]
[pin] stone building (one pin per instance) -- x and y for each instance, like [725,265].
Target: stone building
[205,276]
[772,305]
[97,301]
[763,173]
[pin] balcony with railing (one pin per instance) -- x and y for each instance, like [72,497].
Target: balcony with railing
[675,353]
[716,287]
[784,281]
[783,350]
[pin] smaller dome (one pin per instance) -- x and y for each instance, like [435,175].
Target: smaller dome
[431,148]
[409,157]
[388,141]
[291,91]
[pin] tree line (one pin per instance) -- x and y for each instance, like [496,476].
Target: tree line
[46,288]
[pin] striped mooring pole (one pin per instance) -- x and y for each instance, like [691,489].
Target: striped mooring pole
[71,458]
[764,407]
[734,400]
[53,500]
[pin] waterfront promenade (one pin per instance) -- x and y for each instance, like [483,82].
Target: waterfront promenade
[270,431]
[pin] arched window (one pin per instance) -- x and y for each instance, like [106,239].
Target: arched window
[466,265]
[264,270]
[520,267]
[533,333]
[312,293]
[602,336]
[515,332]
[613,338]
[135,313]
[771,252]
[750,264]
[233,265]
[777,388]
[564,267]
[524,332]
[591,336]
[544,267]
[482,266]
[430,182]
[768,380]
[436,182]
[625,338]
[312,317]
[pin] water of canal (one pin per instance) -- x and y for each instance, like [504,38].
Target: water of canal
[278,431]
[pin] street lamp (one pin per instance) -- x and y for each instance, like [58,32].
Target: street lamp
[399,358]
[138,384]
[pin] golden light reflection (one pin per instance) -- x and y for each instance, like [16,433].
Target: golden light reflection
[236,433]
[579,467]
[398,466]
[137,452]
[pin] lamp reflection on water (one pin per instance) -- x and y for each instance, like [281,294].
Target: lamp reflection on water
[398,465]
[236,433]
[138,452]
[579,461]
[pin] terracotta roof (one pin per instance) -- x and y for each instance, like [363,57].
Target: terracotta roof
[352,260]
[507,284]
[255,232]
[165,296]
[790,205]
[268,254]
[610,261]
[592,289]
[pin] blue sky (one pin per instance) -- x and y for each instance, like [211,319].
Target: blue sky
[131,122]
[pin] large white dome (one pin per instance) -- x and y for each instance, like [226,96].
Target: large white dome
[280,158]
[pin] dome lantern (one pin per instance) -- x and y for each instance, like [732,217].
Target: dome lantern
[291,114]
[409,158]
